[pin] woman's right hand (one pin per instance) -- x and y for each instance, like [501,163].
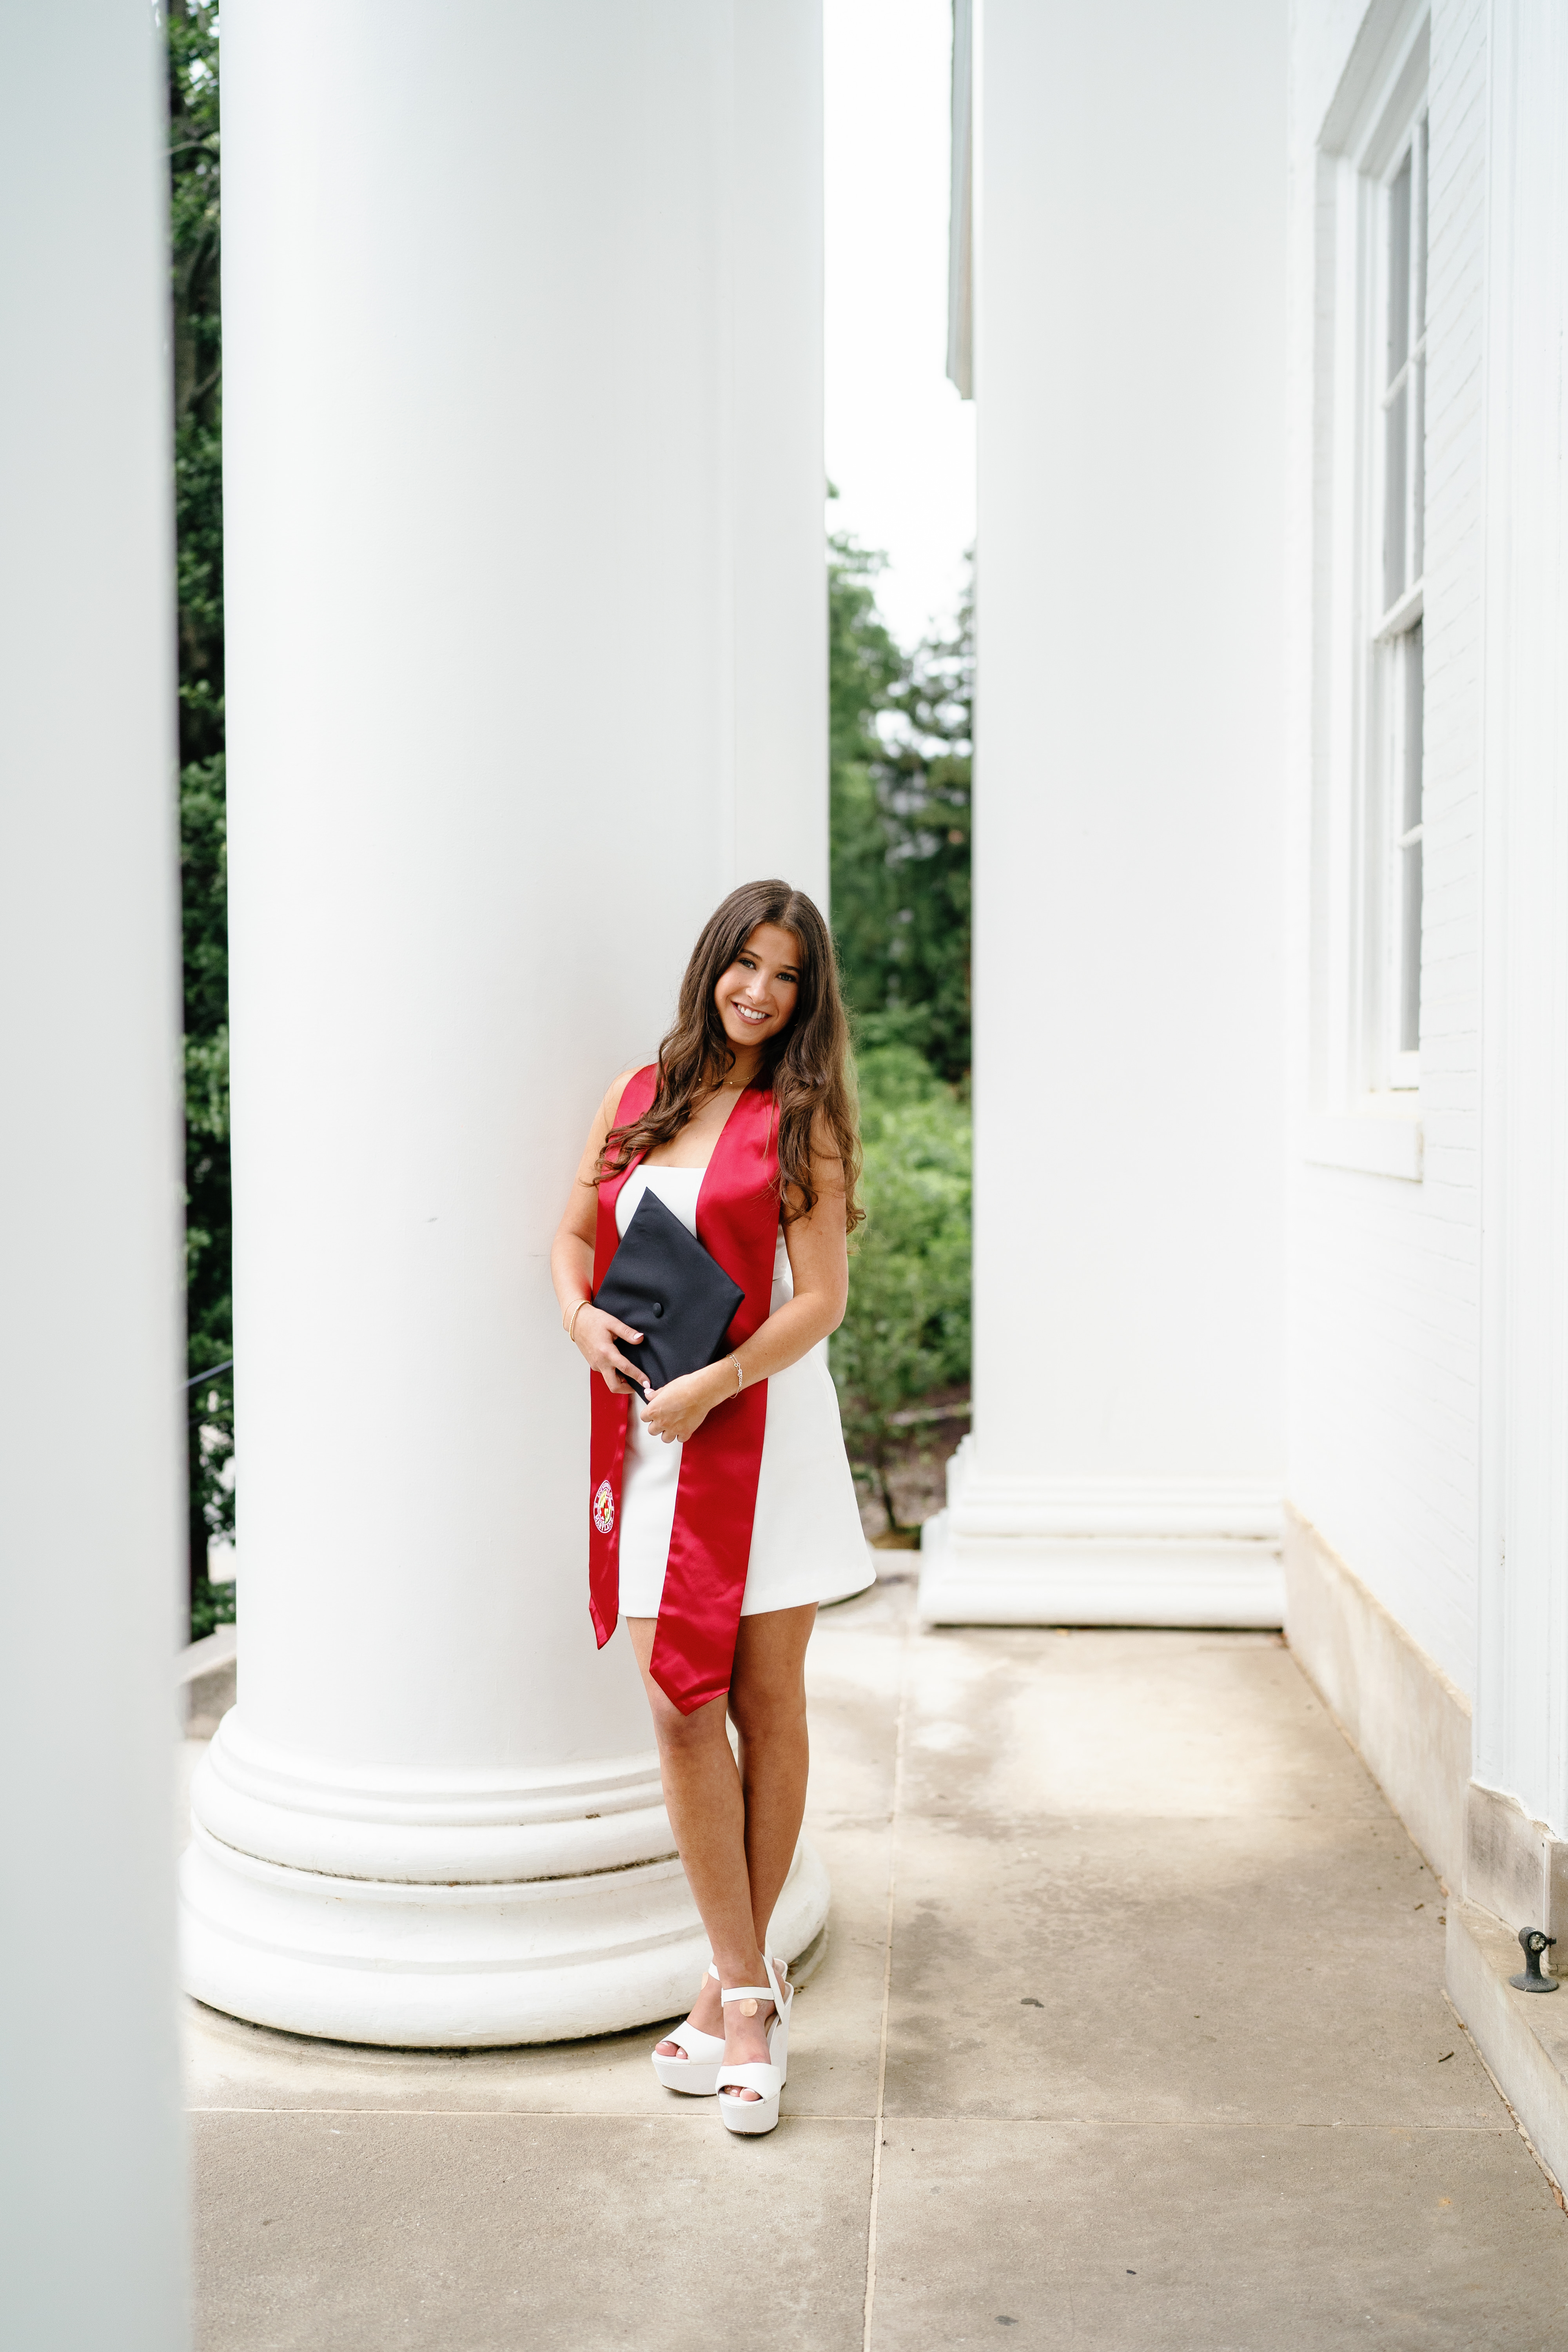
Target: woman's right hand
[593,1335]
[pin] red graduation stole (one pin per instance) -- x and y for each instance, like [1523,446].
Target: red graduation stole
[716,1500]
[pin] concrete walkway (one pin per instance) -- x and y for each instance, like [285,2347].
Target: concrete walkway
[1129,2034]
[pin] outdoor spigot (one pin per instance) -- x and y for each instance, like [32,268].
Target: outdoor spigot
[1534,1940]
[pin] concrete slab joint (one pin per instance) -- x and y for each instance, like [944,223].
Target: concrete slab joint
[1270,2132]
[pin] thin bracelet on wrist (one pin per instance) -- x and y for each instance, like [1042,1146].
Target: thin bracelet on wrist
[740,1373]
[569,1323]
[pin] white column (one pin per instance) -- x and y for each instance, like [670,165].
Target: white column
[525,653]
[1521,1698]
[92,2220]
[1126,1459]
[780,464]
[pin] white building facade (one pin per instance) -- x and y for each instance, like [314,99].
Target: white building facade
[1263,312]
[1272,885]
[1427,1531]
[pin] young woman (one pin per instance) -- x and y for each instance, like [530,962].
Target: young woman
[722,1509]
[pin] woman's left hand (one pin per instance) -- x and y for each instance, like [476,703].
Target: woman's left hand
[673,1412]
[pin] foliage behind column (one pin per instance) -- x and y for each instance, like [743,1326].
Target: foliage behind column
[901,738]
[198,510]
[901,747]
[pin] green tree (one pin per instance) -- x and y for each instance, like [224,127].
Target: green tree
[923,780]
[192,48]
[901,743]
[864,666]
[901,728]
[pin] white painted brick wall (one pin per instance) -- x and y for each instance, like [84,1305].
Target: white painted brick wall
[1385,1341]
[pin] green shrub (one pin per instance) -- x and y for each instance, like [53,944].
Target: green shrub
[906,1331]
[211,1605]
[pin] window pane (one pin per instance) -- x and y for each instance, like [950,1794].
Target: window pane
[1410,926]
[1413,665]
[1417,470]
[1395,490]
[1398,272]
[1419,153]
[1414,668]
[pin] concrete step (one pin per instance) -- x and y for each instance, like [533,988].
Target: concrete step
[1523,2036]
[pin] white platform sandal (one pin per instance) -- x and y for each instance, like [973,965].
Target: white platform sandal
[765,2076]
[697,2072]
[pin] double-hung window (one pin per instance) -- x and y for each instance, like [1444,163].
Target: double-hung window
[1367,591]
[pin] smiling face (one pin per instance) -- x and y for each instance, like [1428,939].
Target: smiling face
[755,999]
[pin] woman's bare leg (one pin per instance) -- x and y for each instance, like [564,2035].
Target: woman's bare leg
[703,1797]
[767,1707]
[736,1829]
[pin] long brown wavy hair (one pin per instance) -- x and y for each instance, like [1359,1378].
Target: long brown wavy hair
[805,1063]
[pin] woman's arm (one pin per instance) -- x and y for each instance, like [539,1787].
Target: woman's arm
[593,1335]
[819,1265]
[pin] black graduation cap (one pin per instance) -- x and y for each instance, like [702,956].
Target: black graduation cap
[665,1285]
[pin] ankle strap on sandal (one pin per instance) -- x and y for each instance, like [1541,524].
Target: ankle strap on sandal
[770,1991]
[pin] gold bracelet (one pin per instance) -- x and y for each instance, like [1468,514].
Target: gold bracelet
[569,1324]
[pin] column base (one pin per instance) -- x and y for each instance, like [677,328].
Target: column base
[1047,1551]
[439,1968]
[451,1952]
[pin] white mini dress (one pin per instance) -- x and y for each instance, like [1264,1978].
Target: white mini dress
[807,1543]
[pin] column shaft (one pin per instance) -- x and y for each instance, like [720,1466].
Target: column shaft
[509,601]
[1127,1454]
[92,2197]
[1521,1698]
